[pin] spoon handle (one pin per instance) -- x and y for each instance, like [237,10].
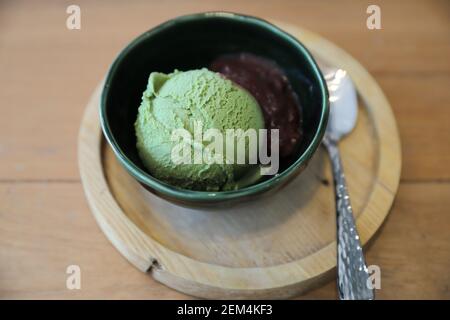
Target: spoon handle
[352,270]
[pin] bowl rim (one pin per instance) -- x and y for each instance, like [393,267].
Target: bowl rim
[209,196]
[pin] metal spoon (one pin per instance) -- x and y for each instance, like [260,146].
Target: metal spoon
[351,266]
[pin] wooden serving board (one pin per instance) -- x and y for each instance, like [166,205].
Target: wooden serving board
[276,247]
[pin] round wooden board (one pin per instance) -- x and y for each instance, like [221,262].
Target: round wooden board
[277,247]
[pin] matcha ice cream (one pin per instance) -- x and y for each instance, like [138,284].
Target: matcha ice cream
[184,100]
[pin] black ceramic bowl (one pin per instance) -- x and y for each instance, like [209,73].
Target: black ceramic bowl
[192,42]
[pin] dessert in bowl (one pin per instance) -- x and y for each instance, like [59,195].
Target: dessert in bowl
[224,71]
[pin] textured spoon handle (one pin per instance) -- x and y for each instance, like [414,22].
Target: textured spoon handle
[352,270]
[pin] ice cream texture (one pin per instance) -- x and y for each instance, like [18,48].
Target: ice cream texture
[182,100]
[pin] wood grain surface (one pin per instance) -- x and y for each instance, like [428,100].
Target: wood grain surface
[47,74]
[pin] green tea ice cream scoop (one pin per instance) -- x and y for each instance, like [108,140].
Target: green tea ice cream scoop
[191,100]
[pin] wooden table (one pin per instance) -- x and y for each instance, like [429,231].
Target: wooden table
[48,72]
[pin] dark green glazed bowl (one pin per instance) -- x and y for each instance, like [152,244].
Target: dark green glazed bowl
[192,42]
